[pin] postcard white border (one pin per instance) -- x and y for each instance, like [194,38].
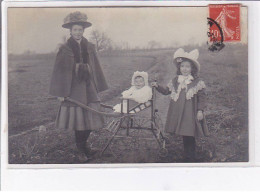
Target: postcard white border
[254,70]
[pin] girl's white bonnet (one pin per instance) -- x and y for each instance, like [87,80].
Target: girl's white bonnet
[193,56]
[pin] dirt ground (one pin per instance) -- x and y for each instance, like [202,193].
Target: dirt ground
[227,119]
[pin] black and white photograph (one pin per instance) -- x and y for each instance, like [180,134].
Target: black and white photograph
[128,85]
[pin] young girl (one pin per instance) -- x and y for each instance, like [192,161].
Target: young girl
[140,91]
[185,114]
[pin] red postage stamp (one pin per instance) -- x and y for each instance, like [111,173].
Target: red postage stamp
[227,22]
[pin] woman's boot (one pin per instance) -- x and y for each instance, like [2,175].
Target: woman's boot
[81,137]
[89,152]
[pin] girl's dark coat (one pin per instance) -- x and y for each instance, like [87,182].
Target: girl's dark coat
[198,101]
[61,79]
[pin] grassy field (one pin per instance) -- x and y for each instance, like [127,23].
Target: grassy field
[225,74]
[29,79]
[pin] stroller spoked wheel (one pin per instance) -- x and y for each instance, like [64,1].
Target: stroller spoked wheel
[163,152]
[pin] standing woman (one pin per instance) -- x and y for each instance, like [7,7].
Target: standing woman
[77,74]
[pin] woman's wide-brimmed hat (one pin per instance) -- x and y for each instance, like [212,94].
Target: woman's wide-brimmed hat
[193,56]
[76,18]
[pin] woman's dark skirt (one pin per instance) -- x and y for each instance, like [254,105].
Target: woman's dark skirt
[77,118]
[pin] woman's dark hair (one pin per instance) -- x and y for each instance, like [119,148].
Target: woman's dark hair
[194,69]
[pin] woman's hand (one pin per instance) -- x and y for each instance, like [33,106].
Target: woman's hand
[154,84]
[61,99]
[200,115]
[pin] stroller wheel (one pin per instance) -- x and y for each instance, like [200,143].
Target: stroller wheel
[163,152]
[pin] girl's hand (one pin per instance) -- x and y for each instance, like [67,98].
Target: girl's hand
[200,115]
[61,99]
[154,84]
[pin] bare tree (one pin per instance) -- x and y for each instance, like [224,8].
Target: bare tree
[101,40]
[125,45]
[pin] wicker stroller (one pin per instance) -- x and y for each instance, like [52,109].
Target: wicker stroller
[130,119]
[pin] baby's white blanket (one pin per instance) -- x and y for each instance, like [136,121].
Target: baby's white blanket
[138,95]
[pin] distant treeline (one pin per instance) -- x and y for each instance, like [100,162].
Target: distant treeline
[124,52]
[31,56]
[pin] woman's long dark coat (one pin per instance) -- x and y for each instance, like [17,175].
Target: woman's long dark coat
[65,82]
[61,79]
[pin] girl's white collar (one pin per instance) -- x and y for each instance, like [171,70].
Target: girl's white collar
[185,79]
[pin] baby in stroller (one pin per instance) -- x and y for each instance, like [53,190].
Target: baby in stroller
[140,91]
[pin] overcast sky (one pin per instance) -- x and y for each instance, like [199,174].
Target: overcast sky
[39,29]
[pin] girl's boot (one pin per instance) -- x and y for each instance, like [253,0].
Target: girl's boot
[189,149]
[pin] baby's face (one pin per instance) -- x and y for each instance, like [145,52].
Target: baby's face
[139,82]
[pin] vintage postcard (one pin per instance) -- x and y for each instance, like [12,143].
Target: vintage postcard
[127,85]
